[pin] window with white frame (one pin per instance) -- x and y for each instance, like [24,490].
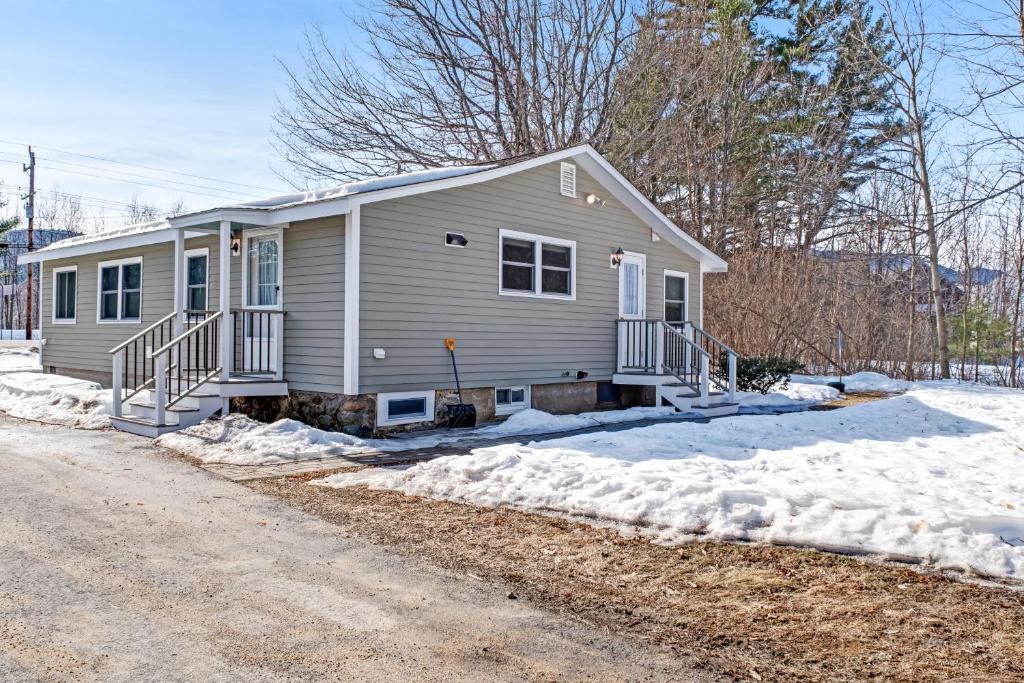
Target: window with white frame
[120,291]
[405,408]
[508,400]
[675,297]
[197,279]
[532,265]
[65,294]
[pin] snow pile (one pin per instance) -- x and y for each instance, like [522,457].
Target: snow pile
[790,398]
[859,381]
[19,359]
[936,474]
[55,399]
[239,440]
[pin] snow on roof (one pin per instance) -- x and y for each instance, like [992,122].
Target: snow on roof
[137,229]
[360,186]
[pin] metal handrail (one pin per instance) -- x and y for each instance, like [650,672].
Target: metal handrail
[177,340]
[158,323]
[687,340]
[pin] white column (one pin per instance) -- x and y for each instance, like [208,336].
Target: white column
[179,283]
[159,387]
[116,386]
[705,382]
[351,353]
[732,377]
[227,337]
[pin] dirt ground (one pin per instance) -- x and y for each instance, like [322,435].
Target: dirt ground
[851,398]
[752,612]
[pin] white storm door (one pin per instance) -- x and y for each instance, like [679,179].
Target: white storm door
[633,286]
[261,286]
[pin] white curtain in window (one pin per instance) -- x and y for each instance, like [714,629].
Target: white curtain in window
[263,268]
[631,289]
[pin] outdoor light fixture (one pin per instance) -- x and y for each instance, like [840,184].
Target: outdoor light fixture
[617,257]
[594,199]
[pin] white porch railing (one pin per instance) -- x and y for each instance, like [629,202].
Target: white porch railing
[683,350]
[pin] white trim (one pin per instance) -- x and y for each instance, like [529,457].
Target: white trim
[120,278]
[539,241]
[567,176]
[667,273]
[186,255]
[100,246]
[641,290]
[512,408]
[385,420]
[53,296]
[278,235]
[700,321]
[350,365]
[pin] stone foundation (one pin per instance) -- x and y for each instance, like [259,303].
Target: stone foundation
[571,397]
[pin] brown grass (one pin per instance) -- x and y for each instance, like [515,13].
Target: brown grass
[748,611]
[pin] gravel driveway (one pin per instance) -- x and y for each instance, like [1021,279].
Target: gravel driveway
[120,563]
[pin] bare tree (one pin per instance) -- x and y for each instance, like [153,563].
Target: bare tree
[455,81]
[58,210]
[140,211]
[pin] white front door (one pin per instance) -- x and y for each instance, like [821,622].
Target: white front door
[261,293]
[633,286]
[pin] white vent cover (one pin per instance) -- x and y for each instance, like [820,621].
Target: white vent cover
[568,180]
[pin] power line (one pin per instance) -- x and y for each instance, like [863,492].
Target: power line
[149,168]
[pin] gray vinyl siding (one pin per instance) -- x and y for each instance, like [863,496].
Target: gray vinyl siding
[415,291]
[313,294]
[313,297]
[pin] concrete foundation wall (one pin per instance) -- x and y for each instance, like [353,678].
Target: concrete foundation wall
[104,379]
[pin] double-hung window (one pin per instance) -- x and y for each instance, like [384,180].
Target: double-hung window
[120,291]
[533,265]
[675,296]
[65,294]
[196,279]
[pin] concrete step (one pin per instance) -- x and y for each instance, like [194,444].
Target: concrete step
[141,426]
[718,409]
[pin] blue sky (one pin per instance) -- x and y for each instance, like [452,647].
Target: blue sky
[187,85]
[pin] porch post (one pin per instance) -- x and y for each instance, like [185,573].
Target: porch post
[179,283]
[227,337]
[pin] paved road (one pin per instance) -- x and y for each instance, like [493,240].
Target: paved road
[119,563]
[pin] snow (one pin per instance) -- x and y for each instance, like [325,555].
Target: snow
[137,229]
[54,399]
[362,186]
[21,358]
[935,474]
[785,399]
[860,381]
[239,440]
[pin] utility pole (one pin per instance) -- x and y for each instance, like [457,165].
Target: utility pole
[30,212]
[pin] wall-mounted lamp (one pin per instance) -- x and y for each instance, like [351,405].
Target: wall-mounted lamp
[594,199]
[617,257]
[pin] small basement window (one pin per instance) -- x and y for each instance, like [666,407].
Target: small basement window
[508,400]
[405,408]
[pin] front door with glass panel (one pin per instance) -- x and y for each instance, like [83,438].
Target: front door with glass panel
[632,286]
[261,293]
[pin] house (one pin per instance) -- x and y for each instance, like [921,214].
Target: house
[564,287]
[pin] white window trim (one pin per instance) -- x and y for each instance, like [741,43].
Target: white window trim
[512,408]
[642,293]
[539,240]
[205,251]
[53,297]
[571,168]
[383,420]
[278,234]
[686,291]
[99,290]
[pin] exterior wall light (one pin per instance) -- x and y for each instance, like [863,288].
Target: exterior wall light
[594,199]
[617,257]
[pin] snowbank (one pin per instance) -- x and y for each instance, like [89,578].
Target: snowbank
[859,381]
[19,359]
[936,474]
[54,399]
[239,440]
[791,398]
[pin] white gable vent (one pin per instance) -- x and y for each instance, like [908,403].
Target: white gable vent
[568,180]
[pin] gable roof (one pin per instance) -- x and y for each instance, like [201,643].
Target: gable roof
[340,199]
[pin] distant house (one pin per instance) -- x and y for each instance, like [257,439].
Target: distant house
[559,281]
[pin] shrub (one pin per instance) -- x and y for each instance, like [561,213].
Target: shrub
[761,373]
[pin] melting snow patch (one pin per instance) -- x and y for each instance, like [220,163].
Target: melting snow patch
[55,399]
[860,381]
[936,474]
